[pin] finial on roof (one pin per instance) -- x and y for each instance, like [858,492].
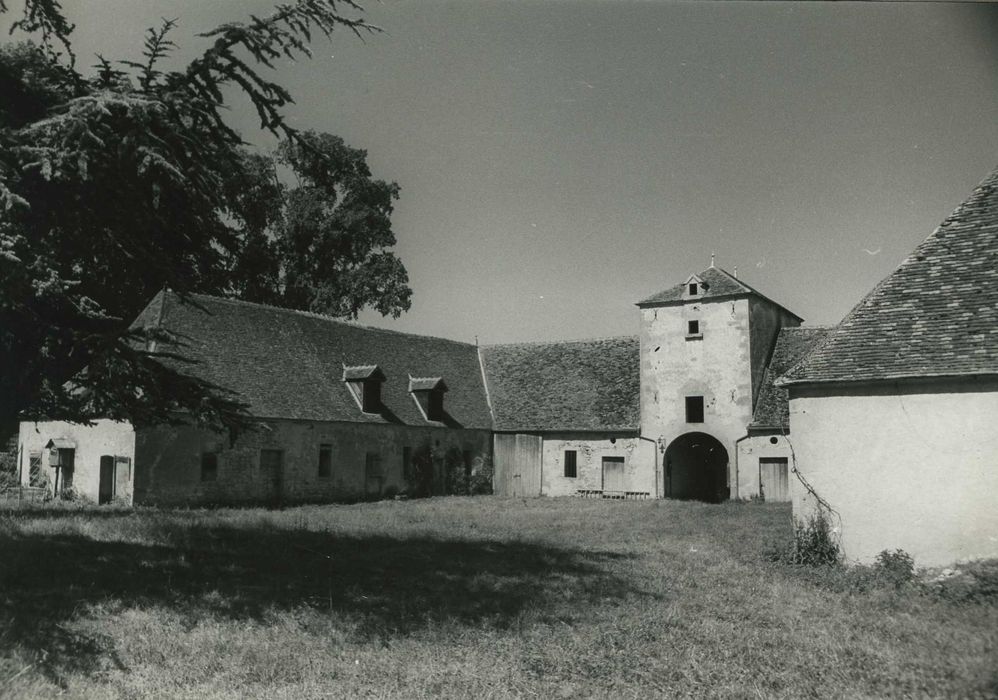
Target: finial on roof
[736,272]
[712,259]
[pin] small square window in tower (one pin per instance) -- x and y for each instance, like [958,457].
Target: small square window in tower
[693,329]
[694,409]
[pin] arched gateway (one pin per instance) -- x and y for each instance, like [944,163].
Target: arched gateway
[696,467]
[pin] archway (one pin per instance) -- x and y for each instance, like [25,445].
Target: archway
[696,468]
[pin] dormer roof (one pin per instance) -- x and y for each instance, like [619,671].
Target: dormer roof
[713,284]
[427,384]
[363,373]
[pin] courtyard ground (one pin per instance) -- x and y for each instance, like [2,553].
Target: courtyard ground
[461,597]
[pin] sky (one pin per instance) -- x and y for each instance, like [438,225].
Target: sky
[561,160]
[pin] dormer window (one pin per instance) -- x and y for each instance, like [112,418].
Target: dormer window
[364,383]
[429,395]
[694,287]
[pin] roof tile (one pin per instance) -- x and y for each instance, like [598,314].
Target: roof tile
[291,364]
[586,385]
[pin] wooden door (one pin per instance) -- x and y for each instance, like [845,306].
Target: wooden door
[271,472]
[373,477]
[122,476]
[67,465]
[517,465]
[774,483]
[105,489]
[614,480]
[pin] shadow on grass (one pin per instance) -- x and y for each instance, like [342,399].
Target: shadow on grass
[386,586]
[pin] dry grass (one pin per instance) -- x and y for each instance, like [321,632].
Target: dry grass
[459,597]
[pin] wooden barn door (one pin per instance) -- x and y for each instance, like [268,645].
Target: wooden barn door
[614,479]
[774,482]
[517,465]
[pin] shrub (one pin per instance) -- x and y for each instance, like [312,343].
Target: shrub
[976,582]
[480,481]
[894,568]
[813,543]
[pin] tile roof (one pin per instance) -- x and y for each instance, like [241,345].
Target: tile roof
[715,282]
[585,385]
[290,364]
[935,315]
[792,344]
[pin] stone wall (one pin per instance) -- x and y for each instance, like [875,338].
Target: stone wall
[716,366]
[639,463]
[750,450]
[170,461]
[103,438]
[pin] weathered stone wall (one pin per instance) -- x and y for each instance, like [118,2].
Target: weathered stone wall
[639,463]
[905,466]
[105,437]
[750,451]
[169,461]
[717,366]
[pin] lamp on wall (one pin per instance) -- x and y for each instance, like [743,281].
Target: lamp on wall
[661,443]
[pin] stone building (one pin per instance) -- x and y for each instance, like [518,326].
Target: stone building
[347,411]
[566,419]
[343,411]
[705,348]
[893,414]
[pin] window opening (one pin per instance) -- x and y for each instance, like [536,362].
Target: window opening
[694,409]
[571,469]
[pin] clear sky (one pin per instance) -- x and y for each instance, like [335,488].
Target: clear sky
[561,160]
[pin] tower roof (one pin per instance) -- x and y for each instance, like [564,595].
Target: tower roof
[936,315]
[715,284]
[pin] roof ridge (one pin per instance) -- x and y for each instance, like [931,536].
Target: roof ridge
[561,342]
[324,317]
[822,327]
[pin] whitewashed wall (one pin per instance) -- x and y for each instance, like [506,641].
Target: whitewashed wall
[105,437]
[908,468]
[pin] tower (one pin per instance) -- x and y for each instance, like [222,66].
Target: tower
[704,348]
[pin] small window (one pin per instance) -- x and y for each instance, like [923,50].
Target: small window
[325,461]
[372,397]
[693,328]
[694,409]
[571,470]
[407,463]
[693,289]
[435,407]
[209,466]
[36,477]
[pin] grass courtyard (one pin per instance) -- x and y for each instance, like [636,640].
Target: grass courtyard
[460,597]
